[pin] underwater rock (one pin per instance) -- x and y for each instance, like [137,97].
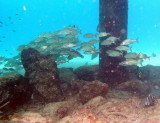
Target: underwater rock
[88,73]
[95,102]
[150,72]
[14,90]
[58,110]
[67,75]
[42,72]
[135,86]
[70,90]
[29,117]
[91,90]
[82,115]
[133,72]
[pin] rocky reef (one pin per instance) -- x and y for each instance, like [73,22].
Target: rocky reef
[15,90]
[75,96]
[43,74]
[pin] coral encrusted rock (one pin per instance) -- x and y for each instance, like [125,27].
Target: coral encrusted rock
[91,90]
[135,86]
[42,72]
[14,91]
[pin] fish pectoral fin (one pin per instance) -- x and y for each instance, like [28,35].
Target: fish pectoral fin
[140,62]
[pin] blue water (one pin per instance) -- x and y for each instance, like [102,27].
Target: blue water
[144,23]
[38,16]
[41,16]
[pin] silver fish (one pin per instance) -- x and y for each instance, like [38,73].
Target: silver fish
[150,100]
[71,52]
[94,56]
[129,41]
[123,48]
[130,62]
[113,53]
[103,34]
[88,35]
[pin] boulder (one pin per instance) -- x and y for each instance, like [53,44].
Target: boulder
[82,115]
[91,90]
[14,91]
[135,86]
[29,117]
[88,73]
[58,110]
[42,73]
[150,72]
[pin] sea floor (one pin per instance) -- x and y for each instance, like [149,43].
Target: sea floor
[115,107]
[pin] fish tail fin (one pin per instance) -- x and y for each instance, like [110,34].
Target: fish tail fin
[149,57]
[130,49]
[137,40]
[96,35]
[140,62]
[80,31]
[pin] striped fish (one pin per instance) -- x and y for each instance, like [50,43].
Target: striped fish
[150,100]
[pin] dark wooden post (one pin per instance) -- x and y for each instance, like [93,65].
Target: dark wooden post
[113,18]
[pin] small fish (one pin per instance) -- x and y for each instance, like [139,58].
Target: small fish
[13,30]
[68,45]
[93,41]
[88,35]
[12,22]
[110,40]
[91,51]
[6,69]
[43,48]
[150,100]
[113,53]
[113,39]
[94,56]
[39,39]
[1,22]
[132,56]
[17,14]
[123,48]
[3,36]
[130,62]
[103,34]
[11,69]
[106,43]
[63,32]
[143,56]
[129,41]
[52,40]
[86,48]
[9,17]
[153,55]
[71,52]
[19,19]
[21,47]
[45,35]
